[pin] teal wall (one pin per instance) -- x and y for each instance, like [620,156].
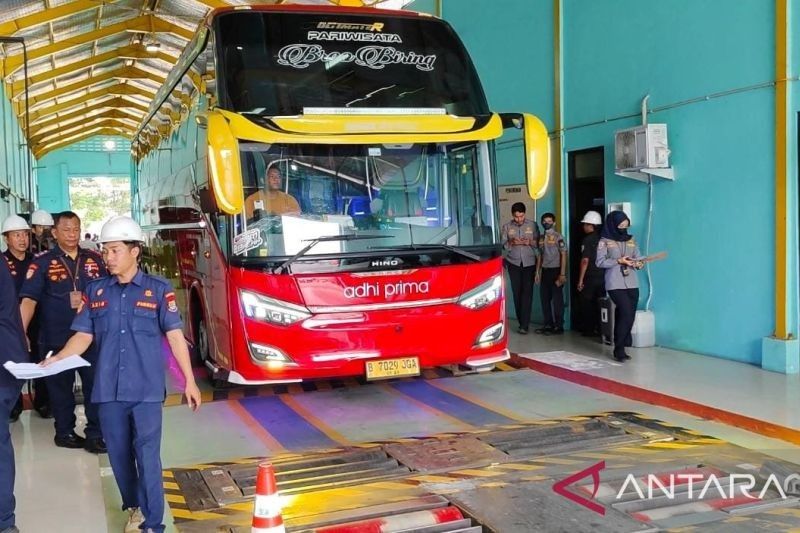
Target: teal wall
[715,293]
[55,169]
[13,159]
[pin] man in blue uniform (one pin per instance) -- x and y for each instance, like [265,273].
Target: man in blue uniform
[53,285]
[127,315]
[12,339]
[17,235]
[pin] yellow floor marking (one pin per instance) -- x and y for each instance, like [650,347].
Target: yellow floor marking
[425,407]
[196,515]
[430,478]
[170,485]
[314,420]
[557,461]
[524,468]
[477,473]
[476,400]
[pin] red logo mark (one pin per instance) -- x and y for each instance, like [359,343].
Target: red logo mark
[594,471]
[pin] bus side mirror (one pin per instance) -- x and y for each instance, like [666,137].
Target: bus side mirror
[224,164]
[536,144]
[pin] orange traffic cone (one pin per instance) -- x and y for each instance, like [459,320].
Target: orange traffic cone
[267,511]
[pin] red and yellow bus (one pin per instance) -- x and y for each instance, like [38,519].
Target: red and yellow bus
[319,185]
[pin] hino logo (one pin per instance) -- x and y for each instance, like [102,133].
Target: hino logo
[388,262]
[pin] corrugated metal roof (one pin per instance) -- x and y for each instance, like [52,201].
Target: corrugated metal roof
[88,69]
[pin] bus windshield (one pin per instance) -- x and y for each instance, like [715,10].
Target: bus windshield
[377,197]
[279,64]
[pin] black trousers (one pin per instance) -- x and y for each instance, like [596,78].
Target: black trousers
[522,289]
[552,298]
[589,301]
[62,399]
[626,301]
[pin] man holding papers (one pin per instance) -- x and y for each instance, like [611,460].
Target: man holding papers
[12,339]
[53,286]
[127,315]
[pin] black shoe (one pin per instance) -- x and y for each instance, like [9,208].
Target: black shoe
[557,331]
[44,411]
[621,356]
[97,445]
[522,331]
[626,356]
[547,330]
[70,441]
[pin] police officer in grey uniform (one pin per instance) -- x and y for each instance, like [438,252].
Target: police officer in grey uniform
[520,240]
[551,265]
[617,253]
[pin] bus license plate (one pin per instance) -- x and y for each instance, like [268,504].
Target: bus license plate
[393,368]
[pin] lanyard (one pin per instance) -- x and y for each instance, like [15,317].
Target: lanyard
[74,275]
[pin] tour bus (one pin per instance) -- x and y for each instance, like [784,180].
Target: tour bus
[319,185]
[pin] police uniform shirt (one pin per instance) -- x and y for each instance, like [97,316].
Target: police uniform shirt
[608,251]
[49,281]
[18,268]
[589,251]
[551,244]
[128,322]
[12,335]
[517,254]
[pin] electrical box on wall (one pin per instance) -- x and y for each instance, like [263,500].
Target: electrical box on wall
[508,195]
[642,151]
[625,207]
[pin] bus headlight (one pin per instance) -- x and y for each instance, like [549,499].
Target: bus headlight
[483,294]
[270,310]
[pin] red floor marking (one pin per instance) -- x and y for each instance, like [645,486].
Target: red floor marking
[632,392]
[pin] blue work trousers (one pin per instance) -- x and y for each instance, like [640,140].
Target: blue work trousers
[8,397]
[62,401]
[132,431]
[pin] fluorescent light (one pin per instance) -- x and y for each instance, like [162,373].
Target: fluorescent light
[152,47]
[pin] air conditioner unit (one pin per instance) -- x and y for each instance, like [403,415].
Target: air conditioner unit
[641,148]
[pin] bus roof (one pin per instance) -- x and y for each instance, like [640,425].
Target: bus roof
[306,8]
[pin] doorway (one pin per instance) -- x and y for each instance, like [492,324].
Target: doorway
[586,192]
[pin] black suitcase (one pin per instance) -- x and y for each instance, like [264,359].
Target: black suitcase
[607,309]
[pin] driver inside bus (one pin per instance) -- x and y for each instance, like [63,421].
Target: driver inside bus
[271,200]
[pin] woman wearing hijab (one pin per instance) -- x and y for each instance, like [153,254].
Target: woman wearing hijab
[617,253]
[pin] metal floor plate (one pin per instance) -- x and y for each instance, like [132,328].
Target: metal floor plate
[502,479]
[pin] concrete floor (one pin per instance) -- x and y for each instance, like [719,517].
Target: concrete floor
[73,491]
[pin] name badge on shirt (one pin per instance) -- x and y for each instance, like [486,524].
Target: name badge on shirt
[258,205]
[75,298]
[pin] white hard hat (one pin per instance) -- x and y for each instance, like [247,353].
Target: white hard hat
[592,217]
[121,229]
[15,223]
[40,217]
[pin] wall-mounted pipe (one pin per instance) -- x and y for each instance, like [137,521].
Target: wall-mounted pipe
[29,167]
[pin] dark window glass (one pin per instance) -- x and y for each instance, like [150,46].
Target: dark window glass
[280,63]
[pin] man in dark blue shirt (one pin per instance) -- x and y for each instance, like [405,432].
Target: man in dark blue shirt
[12,339]
[128,315]
[17,235]
[53,285]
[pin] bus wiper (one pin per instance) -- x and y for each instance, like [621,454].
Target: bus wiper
[284,267]
[449,248]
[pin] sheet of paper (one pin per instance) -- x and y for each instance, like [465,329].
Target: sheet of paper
[33,370]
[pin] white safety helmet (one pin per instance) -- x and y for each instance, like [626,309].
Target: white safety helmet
[121,229]
[15,223]
[40,217]
[592,217]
